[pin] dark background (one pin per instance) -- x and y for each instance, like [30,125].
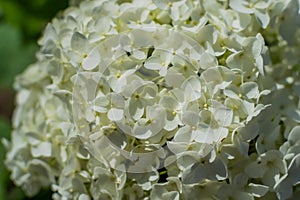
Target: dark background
[21,25]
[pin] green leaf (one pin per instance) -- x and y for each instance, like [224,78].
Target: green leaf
[14,54]
[4,131]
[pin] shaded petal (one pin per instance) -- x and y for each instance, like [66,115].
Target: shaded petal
[250,90]
[197,172]
[79,42]
[257,190]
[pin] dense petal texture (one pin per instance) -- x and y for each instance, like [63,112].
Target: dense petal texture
[162,99]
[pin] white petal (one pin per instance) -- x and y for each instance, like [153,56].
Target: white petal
[172,122]
[208,135]
[263,18]
[222,114]
[234,60]
[177,147]
[42,149]
[103,24]
[294,135]
[139,55]
[174,195]
[153,63]
[136,109]
[183,135]
[255,170]
[117,100]
[63,153]
[206,33]
[250,131]
[284,188]
[174,78]
[207,60]
[197,172]
[163,71]
[240,6]
[100,104]
[92,60]
[168,102]
[115,114]
[231,94]
[192,88]
[141,131]
[89,115]
[84,197]
[162,4]
[259,65]
[190,118]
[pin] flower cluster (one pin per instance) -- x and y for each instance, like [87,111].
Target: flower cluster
[162,99]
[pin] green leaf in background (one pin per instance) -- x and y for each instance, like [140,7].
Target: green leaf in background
[5,130]
[14,54]
[30,16]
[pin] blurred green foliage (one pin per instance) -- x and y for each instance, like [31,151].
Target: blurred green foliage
[30,16]
[21,24]
[4,131]
[15,54]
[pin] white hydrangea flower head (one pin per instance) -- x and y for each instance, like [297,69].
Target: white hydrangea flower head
[171,99]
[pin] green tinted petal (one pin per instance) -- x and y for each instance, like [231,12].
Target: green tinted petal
[79,42]
[250,89]
[257,190]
